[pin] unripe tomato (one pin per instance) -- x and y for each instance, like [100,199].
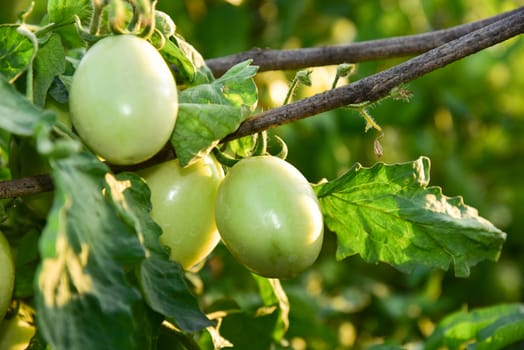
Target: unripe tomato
[15,334]
[269,217]
[123,99]
[183,204]
[7,275]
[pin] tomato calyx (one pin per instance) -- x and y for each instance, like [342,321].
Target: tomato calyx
[122,17]
[259,148]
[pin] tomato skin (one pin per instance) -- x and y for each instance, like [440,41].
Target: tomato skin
[269,218]
[7,275]
[183,204]
[15,334]
[123,99]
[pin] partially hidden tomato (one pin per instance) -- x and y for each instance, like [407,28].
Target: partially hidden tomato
[183,204]
[15,333]
[123,99]
[269,217]
[7,275]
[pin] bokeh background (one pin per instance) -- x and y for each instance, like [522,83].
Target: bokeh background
[468,118]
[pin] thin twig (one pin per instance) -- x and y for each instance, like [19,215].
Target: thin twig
[371,88]
[402,46]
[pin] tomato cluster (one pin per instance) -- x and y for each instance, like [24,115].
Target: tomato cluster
[125,109]
[265,210]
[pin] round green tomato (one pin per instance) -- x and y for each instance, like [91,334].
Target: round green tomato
[7,275]
[183,204]
[123,99]
[269,217]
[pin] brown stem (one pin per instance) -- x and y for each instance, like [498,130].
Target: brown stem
[377,86]
[25,186]
[371,88]
[267,59]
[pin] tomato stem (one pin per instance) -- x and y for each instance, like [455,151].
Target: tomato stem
[224,159]
[302,77]
[260,147]
[343,70]
[96,19]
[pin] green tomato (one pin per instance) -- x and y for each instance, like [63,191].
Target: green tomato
[269,217]
[123,99]
[61,110]
[7,275]
[183,204]
[15,334]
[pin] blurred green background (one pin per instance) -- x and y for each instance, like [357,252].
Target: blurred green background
[468,118]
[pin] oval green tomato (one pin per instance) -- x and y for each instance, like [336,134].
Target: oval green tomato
[269,217]
[183,204]
[123,99]
[7,275]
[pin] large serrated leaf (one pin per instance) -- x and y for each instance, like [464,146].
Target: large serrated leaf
[209,112]
[488,328]
[162,281]
[387,213]
[16,51]
[84,298]
[17,114]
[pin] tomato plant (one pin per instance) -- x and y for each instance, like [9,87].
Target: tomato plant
[94,271]
[183,204]
[269,217]
[124,109]
[7,275]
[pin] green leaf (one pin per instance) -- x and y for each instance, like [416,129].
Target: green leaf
[505,331]
[162,281]
[16,51]
[387,213]
[17,114]
[209,112]
[48,64]
[488,328]
[63,11]
[26,262]
[189,56]
[273,294]
[84,298]
[185,69]
[242,328]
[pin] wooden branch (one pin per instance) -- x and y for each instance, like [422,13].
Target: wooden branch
[492,31]
[402,46]
[25,186]
[374,87]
